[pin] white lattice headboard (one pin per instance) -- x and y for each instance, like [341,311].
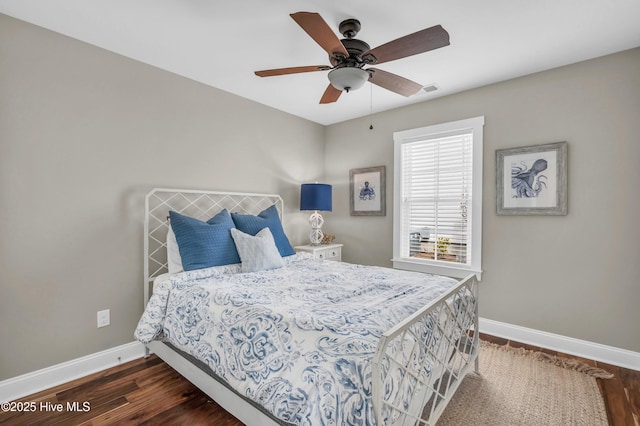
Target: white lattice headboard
[199,204]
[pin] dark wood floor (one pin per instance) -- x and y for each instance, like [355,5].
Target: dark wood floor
[149,392]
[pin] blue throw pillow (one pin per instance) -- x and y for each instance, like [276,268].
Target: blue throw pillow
[204,244]
[269,218]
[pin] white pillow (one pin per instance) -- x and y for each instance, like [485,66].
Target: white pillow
[174,260]
[257,253]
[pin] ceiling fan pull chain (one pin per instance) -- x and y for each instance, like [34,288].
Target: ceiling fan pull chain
[371,107]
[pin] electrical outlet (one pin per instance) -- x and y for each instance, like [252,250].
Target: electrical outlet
[104,318]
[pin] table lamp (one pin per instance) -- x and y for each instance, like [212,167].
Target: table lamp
[316,197]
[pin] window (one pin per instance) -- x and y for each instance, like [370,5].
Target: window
[437,220]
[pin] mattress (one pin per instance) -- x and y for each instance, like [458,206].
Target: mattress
[297,340]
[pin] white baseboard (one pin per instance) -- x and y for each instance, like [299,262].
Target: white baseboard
[568,345]
[39,380]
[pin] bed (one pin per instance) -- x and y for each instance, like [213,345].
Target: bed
[307,341]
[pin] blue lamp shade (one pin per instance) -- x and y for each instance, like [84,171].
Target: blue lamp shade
[315,196]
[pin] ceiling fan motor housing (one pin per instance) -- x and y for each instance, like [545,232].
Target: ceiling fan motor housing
[355,48]
[349,28]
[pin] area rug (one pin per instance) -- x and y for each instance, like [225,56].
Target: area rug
[520,387]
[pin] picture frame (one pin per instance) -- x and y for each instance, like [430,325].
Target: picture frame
[532,180]
[367,191]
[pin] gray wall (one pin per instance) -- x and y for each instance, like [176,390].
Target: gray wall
[84,134]
[575,275]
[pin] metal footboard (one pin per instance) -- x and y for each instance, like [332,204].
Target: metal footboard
[419,363]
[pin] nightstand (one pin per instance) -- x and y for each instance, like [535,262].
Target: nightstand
[324,251]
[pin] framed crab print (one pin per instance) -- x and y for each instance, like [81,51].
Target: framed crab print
[367,191]
[532,180]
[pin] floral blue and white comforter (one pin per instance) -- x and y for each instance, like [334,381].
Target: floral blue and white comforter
[297,340]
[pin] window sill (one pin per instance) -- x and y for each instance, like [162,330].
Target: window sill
[437,268]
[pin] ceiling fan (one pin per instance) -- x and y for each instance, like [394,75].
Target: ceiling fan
[349,56]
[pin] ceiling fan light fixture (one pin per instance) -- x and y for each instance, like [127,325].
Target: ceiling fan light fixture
[348,78]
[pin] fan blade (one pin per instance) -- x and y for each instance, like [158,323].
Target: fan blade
[412,44]
[393,82]
[292,70]
[318,30]
[330,95]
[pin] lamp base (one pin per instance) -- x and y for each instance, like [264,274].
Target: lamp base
[316,235]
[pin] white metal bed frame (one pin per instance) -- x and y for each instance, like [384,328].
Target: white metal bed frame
[402,350]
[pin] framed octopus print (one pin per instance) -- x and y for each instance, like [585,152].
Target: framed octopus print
[532,180]
[367,191]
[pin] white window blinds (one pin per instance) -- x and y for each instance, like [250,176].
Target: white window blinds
[438,197]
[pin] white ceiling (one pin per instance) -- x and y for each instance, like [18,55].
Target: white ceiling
[221,43]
